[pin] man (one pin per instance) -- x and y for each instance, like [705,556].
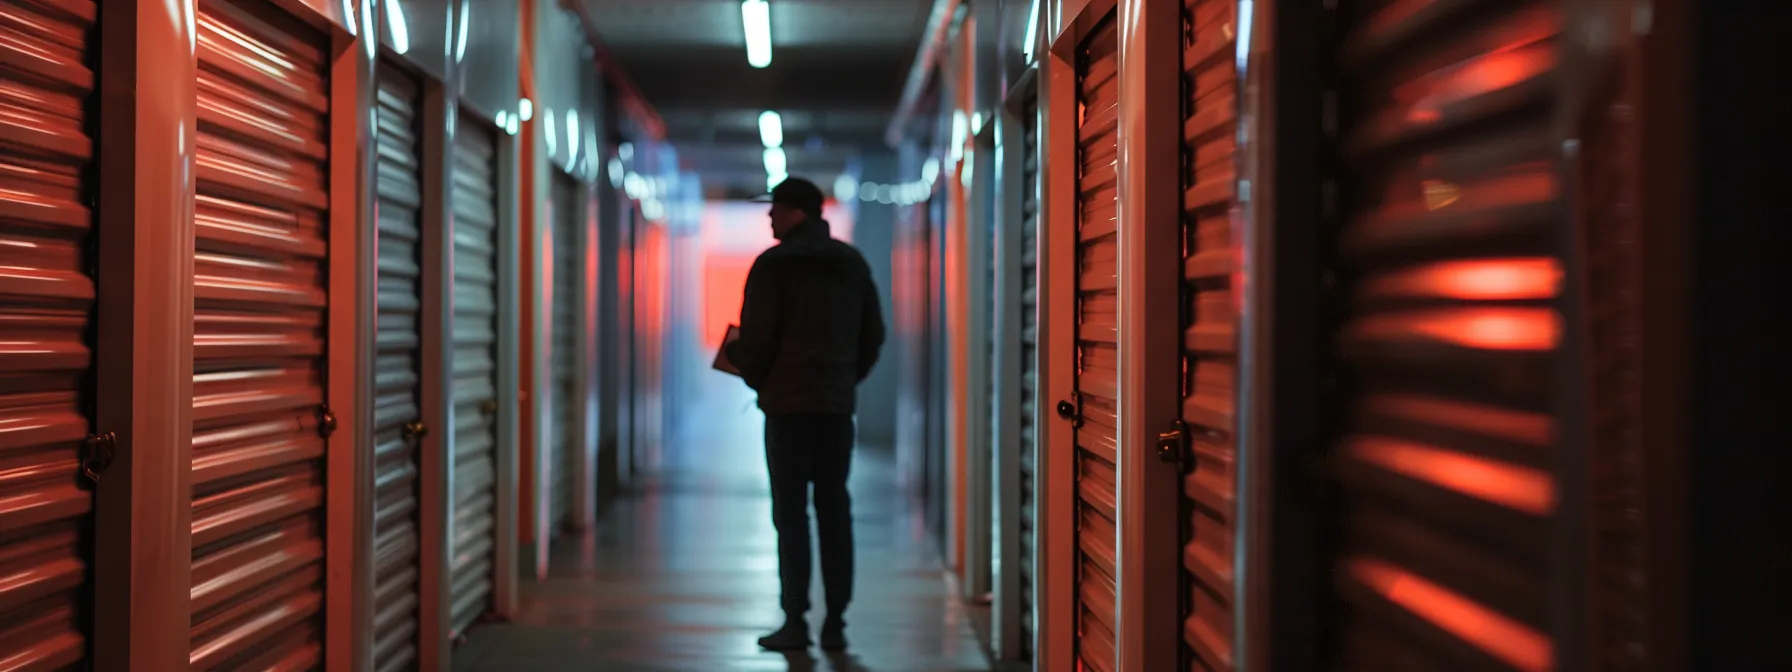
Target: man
[810,329]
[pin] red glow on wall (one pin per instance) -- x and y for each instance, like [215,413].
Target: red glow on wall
[733,235]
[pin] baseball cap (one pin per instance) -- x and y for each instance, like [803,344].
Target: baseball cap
[797,193]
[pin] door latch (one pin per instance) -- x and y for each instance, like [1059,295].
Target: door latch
[489,407]
[415,430]
[101,449]
[1072,409]
[326,421]
[1172,445]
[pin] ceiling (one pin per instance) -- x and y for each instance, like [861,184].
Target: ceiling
[836,75]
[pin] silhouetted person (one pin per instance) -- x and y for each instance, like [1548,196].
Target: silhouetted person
[810,329]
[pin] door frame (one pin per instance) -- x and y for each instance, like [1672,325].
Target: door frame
[1150,279]
[146,87]
[350,342]
[1055,596]
[1006,368]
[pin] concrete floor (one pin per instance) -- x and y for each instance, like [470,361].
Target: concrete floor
[681,574]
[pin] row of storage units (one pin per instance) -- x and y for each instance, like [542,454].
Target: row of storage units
[1317,336]
[301,309]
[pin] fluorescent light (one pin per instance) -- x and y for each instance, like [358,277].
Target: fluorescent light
[846,188]
[756,18]
[775,161]
[548,131]
[401,32]
[1026,48]
[572,138]
[771,129]
[526,108]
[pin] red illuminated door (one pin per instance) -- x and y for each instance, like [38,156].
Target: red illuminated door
[1210,330]
[397,407]
[475,343]
[46,300]
[260,298]
[1097,350]
[1448,246]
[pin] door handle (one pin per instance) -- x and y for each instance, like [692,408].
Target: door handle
[1072,409]
[415,430]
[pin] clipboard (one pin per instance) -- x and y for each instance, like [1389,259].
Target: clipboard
[722,364]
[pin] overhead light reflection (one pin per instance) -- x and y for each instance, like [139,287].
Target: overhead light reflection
[526,109]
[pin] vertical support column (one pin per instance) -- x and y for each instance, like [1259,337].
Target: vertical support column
[144,356]
[436,497]
[1150,278]
[353,278]
[1055,637]
[512,286]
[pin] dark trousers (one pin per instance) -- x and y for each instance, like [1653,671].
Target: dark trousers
[801,450]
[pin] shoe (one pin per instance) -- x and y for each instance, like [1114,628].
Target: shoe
[833,635]
[793,636]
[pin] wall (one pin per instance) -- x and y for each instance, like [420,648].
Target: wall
[875,237]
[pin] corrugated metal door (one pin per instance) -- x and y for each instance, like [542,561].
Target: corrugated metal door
[1029,365]
[258,332]
[46,300]
[397,406]
[1097,349]
[564,350]
[1210,324]
[1451,218]
[475,205]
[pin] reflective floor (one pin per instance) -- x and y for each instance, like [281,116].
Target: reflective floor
[681,575]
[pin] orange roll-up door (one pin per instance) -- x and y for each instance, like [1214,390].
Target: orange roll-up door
[46,308]
[259,324]
[1448,252]
[1210,328]
[397,405]
[1097,351]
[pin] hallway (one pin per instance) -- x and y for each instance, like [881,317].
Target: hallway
[681,574]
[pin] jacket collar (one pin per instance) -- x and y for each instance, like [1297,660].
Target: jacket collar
[814,228]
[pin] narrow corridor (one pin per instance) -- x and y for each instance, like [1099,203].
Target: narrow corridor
[681,574]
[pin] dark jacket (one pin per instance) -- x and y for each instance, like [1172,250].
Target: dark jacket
[810,324]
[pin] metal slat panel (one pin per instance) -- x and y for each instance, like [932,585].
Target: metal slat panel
[1451,207]
[259,360]
[397,401]
[565,331]
[46,303]
[1210,327]
[1097,372]
[1029,327]
[475,342]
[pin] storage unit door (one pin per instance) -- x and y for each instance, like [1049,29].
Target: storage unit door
[260,276]
[397,407]
[475,208]
[564,350]
[1029,364]
[1210,329]
[1451,217]
[46,304]
[1097,343]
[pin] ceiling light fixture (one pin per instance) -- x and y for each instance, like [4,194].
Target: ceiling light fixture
[771,129]
[756,18]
